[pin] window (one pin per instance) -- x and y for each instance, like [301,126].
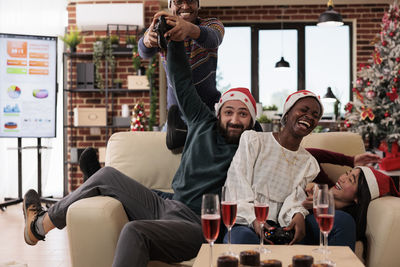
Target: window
[319,57]
[234,58]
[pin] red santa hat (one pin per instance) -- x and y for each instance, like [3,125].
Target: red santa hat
[242,94]
[379,184]
[293,98]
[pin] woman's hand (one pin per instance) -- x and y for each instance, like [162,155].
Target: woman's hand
[299,226]
[366,158]
[257,227]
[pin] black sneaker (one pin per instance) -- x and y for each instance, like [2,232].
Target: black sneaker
[176,129]
[32,210]
[89,162]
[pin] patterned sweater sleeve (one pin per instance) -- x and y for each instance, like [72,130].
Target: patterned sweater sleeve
[211,33]
[240,176]
[145,52]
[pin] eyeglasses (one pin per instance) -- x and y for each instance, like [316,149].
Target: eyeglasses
[180,2]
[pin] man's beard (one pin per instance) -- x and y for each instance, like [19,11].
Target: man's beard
[229,138]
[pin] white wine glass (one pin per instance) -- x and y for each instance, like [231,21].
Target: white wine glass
[210,220]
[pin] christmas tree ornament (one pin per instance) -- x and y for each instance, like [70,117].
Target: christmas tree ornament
[370,94]
[138,120]
[367,113]
[387,114]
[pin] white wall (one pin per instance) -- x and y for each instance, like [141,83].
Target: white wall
[34,17]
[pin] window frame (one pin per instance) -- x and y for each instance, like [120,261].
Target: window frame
[301,53]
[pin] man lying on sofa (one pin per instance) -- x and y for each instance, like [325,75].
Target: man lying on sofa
[159,229]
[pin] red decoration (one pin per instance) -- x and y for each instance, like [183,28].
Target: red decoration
[391,161]
[371,94]
[347,124]
[348,107]
[393,95]
[397,59]
[359,96]
[387,114]
[377,57]
[395,79]
[391,34]
[367,113]
[384,43]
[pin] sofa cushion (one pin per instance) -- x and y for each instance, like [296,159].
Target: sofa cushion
[129,152]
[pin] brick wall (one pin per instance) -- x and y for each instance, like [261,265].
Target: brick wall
[368,25]
[368,16]
[81,137]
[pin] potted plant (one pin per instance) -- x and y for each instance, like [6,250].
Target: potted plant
[266,123]
[72,38]
[118,83]
[131,41]
[114,39]
[270,111]
[98,53]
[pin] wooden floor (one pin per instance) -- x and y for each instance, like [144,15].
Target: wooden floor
[51,253]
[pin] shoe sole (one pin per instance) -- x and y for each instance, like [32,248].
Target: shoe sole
[26,235]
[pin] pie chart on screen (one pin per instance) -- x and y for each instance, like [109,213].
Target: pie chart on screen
[14,91]
[40,93]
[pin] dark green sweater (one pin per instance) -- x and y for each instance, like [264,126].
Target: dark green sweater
[206,156]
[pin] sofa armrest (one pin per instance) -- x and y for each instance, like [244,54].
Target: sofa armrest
[94,225]
[383,232]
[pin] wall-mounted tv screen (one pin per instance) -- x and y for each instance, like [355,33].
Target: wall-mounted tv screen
[28,83]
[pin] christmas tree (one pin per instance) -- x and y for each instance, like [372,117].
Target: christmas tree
[138,119]
[375,109]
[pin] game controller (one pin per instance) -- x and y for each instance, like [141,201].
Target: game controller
[161,27]
[279,236]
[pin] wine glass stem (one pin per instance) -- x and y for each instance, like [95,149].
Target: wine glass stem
[261,235]
[229,238]
[325,245]
[211,254]
[321,240]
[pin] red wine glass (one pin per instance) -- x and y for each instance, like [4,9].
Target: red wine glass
[326,215]
[210,220]
[317,188]
[261,209]
[229,209]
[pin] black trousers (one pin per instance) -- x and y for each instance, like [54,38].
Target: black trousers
[158,229]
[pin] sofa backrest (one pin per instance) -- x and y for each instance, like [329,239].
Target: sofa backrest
[145,157]
[341,142]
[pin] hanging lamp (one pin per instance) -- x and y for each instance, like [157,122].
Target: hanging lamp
[282,63]
[330,17]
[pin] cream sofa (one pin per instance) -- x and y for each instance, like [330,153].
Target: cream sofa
[94,224]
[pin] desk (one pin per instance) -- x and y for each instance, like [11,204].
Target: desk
[342,256]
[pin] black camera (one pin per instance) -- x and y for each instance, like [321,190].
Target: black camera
[161,27]
[279,236]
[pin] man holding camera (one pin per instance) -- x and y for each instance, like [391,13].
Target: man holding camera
[202,38]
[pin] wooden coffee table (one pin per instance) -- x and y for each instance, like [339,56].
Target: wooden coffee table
[342,256]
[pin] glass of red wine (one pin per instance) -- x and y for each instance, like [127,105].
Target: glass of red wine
[317,188]
[326,215]
[229,209]
[210,220]
[261,209]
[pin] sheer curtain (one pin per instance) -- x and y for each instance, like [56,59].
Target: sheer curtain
[34,17]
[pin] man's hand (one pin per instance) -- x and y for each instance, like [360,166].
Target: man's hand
[366,158]
[299,226]
[150,38]
[181,29]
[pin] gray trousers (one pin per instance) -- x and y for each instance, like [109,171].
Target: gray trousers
[158,229]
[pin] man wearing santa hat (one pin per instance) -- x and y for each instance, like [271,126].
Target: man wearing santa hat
[160,229]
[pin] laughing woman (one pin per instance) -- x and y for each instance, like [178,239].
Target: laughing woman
[276,161]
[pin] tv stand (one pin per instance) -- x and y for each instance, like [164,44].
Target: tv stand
[12,201]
